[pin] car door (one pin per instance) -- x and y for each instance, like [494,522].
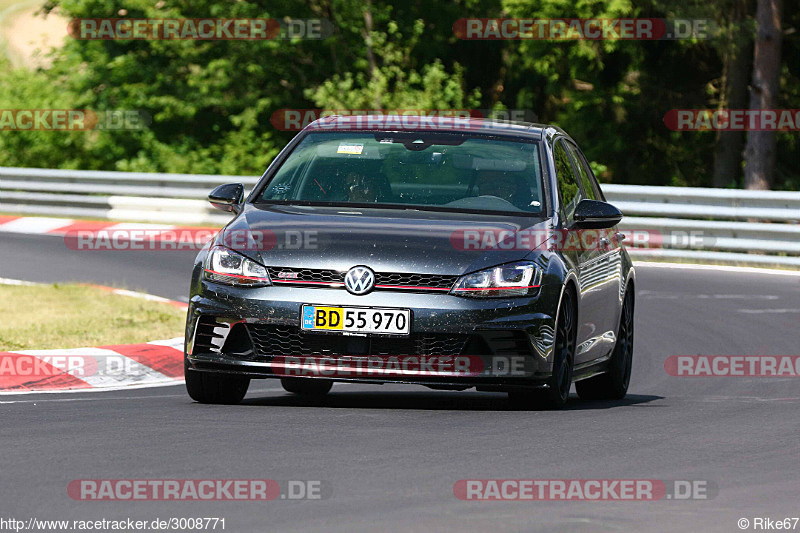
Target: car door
[608,265]
[588,260]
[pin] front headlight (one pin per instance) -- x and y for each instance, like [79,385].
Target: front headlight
[513,279]
[231,268]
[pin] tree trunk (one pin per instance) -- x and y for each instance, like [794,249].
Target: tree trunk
[759,153]
[366,33]
[733,95]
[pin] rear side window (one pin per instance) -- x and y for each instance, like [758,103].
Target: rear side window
[569,193]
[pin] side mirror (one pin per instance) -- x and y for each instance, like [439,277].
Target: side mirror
[227,197]
[594,214]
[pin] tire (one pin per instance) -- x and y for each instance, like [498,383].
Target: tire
[208,387]
[613,384]
[307,386]
[558,384]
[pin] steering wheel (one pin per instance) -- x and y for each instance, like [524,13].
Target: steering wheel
[495,198]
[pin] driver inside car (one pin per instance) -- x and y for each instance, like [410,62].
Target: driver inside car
[504,185]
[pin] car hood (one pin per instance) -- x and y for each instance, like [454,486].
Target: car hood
[386,240]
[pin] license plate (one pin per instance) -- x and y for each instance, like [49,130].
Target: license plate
[356,320]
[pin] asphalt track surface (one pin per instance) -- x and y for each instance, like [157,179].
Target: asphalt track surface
[392,453]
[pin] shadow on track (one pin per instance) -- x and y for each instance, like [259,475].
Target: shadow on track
[425,401]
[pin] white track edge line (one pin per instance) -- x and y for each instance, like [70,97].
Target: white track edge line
[724,268]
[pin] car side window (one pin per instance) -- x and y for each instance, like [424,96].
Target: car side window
[591,177]
[569,193]
[589,188]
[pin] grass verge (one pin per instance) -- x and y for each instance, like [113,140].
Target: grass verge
[41,317]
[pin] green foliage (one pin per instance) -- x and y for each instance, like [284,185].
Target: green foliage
[211,102]
[393,83]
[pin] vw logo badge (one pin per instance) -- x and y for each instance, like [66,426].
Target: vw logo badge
[359,280]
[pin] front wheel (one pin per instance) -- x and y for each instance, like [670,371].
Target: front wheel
[555,395]
[208,387]
[613,384]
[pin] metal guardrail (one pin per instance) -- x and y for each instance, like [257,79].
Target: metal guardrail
[168,198]
[694,224]
[696,202]
[713,225]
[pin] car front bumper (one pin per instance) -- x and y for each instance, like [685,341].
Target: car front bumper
[455,342]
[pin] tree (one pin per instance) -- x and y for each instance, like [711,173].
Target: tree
[390,82]
[737,50]
[760,150]
[211,102]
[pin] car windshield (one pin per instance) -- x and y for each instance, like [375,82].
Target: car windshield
[441,171]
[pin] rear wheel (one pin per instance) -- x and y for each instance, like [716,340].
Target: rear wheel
[613,385]
[555,395]
[307,386]
[208,387]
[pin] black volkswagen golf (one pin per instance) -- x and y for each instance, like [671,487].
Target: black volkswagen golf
[451,253]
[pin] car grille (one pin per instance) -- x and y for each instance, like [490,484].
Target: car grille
[383,280]
[432,281]
[270,340]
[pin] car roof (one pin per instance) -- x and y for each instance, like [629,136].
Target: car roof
[449,124]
